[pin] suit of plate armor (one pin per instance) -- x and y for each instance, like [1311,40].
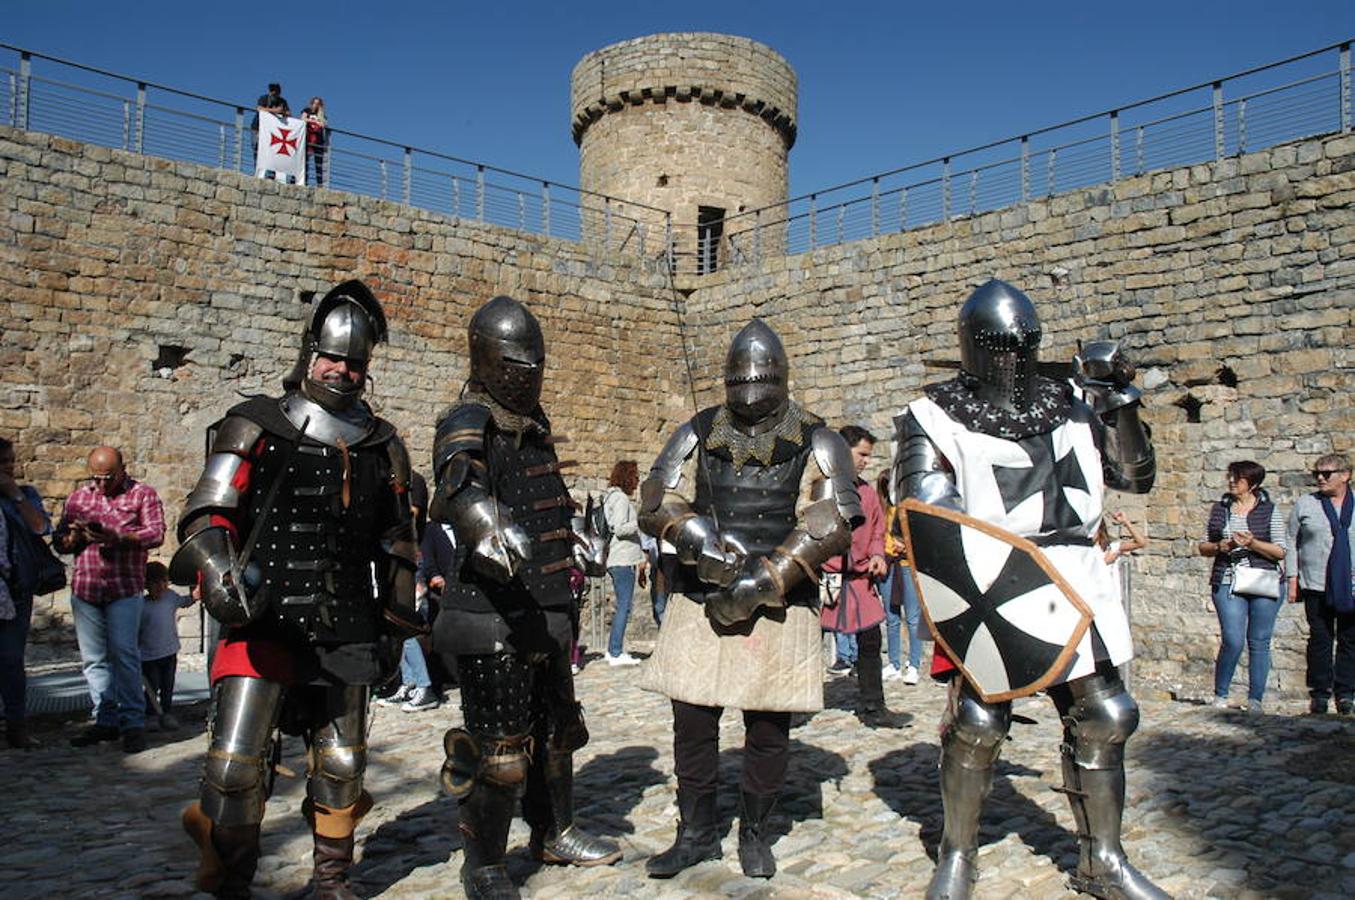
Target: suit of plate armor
[299,535]
[746,557]
[505,619]
[998,395]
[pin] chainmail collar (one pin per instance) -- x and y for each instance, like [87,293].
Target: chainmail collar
[793,430]
[504,418]
[1051,407]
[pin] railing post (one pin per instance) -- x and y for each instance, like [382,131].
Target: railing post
[13,98]
[381,167]
[409,175]
[479,193]
[456,197]
[239,136]
[973,191]
[841,221]
[1115,145]
[23,96]
[221,148]
[126,124]
[1242,126]
[1138,150]
[875,206]
[1025,167]
[1218,120]
[903,209]
[1049,172]
[945,189]
[545,208]
[813,199]
[522,211]
[1346,123]
[140,116]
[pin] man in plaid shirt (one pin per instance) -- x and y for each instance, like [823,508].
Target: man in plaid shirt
[108,525]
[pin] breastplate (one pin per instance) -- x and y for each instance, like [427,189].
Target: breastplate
[755,504]
[317,548]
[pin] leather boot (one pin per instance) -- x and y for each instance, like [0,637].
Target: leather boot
[486,814]
[698,837]
[333,855]
[963,791]
[555,837]
[229,854]
[1103,870]
[755,852]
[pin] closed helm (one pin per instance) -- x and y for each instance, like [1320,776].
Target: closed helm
[508,353]
[999,334]
[757,377]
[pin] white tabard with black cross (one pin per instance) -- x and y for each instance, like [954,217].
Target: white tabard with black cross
[1031,487]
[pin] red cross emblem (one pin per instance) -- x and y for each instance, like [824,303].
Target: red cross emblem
[283,142]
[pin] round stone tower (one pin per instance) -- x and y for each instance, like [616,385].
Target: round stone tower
[695,124]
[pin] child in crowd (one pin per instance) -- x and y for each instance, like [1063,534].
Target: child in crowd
[160,640]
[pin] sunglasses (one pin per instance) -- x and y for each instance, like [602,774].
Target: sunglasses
[1321,474]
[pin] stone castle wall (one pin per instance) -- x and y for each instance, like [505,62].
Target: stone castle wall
[1233,284]
[142,297]
[678,121]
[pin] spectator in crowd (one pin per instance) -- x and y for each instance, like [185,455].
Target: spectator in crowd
[160,641]
[436,559]
[655,553]
[24,521]
[625,559]
[109,525]
[1130,540]
[272,102]
[856,608]
[1324,544]
[317,144]
[1244,531]
[899,594]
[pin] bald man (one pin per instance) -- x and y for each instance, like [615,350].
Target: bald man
[109,525]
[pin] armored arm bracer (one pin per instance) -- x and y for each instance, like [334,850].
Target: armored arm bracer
[825,528]
[1106,374]
[218,490]
[464,500]
[668,516]
[920,470]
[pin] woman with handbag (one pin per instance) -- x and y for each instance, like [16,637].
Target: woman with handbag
[30,572]
[1245,537]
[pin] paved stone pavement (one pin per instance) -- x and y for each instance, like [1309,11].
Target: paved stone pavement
[1221,804]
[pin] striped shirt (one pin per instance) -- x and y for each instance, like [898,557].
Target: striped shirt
[106,572]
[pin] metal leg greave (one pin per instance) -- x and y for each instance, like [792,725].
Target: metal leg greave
[486,814]
[1103,869]
[555,837]
[698,836]
[755,850]
[971,741]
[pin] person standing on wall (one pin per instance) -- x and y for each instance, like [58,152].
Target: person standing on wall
[1324,544]
[626,560]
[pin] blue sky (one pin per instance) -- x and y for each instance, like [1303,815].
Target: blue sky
[882,84]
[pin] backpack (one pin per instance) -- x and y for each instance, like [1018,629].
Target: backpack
[597,518]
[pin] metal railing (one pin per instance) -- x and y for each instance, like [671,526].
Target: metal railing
[95,106]
[1283,101]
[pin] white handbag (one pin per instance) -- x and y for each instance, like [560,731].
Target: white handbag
[1253,581]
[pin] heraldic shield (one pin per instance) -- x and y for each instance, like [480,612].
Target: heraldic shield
[993,601]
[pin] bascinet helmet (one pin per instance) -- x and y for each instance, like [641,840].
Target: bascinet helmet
[346,324]
[508,353]
[999,344]
[757,376]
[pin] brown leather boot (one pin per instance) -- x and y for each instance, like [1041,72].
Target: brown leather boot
[228,854]
[333,854]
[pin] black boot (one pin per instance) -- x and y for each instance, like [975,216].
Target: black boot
[333,857]
[755,852]
[698,837]
[555,837]
[486,814]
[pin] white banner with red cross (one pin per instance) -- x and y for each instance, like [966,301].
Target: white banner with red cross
[282,148]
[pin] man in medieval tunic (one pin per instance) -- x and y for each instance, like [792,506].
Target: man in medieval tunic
[1021,452]
[741,628]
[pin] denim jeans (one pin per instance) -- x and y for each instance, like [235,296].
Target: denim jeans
[846,648]
[111,656]
[1243,620]
[623,582]
[413,667]
[911,613]
[159,677]
[13,639]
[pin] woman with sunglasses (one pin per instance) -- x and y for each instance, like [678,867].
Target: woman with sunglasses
[1244,531]
[1324,543]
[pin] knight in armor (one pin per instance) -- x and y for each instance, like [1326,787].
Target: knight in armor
[505,620]
[741,628]
[1025,453]
[299,536]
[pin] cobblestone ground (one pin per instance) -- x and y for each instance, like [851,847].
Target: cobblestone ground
[1221,804]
